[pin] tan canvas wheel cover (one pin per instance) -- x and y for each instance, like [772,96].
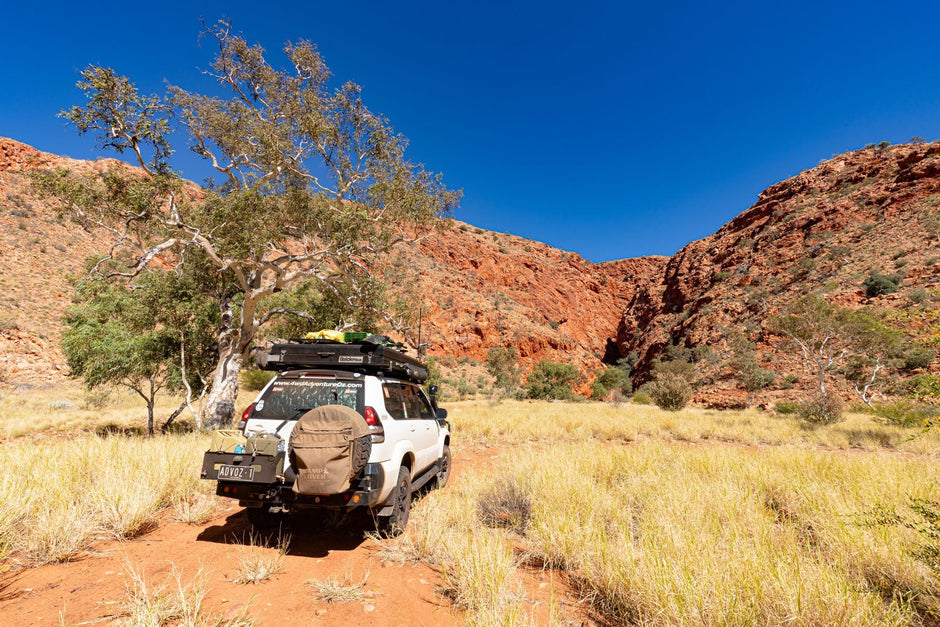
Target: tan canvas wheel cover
[321,449]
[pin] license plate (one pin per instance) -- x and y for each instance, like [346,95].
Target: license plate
[238,473]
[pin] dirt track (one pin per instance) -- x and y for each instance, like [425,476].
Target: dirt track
[84,591]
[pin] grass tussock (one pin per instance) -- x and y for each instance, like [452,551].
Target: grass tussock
[258,560]
[656,529]
[170,603]
[65,494]
[345,590]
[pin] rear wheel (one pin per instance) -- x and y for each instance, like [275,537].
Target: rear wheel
[394,524]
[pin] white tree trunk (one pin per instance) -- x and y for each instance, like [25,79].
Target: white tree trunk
[219,410]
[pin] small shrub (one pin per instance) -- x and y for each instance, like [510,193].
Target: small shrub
[258,561]
[786,407]
[917,295]
[642,398]
[820,410]
[878,284]
[931,260]
[924,386]
[551,380]
[918,357]
[906,413]
[506,505]
[670,391]
[254,379]
[789,381]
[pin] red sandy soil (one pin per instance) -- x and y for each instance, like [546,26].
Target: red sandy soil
[88,590]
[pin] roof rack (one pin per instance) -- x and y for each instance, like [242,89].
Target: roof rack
[375,354]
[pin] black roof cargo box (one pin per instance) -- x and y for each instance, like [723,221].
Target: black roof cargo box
[368,357]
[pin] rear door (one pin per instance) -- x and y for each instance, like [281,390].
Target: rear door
[423,427]
[290,396]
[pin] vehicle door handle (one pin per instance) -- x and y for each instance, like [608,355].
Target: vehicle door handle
[412,428]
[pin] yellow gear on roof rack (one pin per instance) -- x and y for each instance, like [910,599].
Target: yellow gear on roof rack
[326,334]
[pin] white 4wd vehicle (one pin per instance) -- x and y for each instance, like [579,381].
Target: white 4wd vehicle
[341,426]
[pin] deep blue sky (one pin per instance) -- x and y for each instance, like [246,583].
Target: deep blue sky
[613,129]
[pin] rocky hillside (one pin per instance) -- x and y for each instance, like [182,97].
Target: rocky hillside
[827,229]
[480,288]
[871,211]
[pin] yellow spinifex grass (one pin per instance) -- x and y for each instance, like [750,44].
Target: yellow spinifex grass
[514,422]
[57,496]
[761,523]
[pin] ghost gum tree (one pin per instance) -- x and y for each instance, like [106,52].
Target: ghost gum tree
[311,186]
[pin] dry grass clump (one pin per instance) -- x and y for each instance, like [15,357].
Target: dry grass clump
[170,603]
[662,532]
[195,510]
[345,590]
[258,560]
[64,494]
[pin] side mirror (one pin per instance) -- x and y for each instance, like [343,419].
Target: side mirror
[441,413]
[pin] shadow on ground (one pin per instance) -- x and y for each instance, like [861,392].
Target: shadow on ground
[312,534]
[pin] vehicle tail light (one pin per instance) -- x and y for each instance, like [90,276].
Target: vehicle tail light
[245,415]
[375,425]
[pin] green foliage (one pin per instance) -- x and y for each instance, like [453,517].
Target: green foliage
[435,376]
[743,362]
[820,409]
[878,284]
[311,187]
[255,379]
[677,360]
[918,357]
[786,407]
[551,380]
[670,391]
[789,380]
[924,386]
[642,398]
[826,336]
[612,378]
[501,363]
[141,338]
[906,413]
[918,295]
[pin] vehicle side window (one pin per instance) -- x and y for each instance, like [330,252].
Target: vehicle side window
[415,403]
[394,403]
[412,408]
[426,412]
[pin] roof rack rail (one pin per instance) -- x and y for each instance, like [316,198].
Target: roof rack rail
[375,354]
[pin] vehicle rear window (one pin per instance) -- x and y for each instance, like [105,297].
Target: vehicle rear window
[289,399]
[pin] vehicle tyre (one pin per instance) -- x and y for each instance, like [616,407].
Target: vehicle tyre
[444,473]
[361,450]
[263,518]
[394,524]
